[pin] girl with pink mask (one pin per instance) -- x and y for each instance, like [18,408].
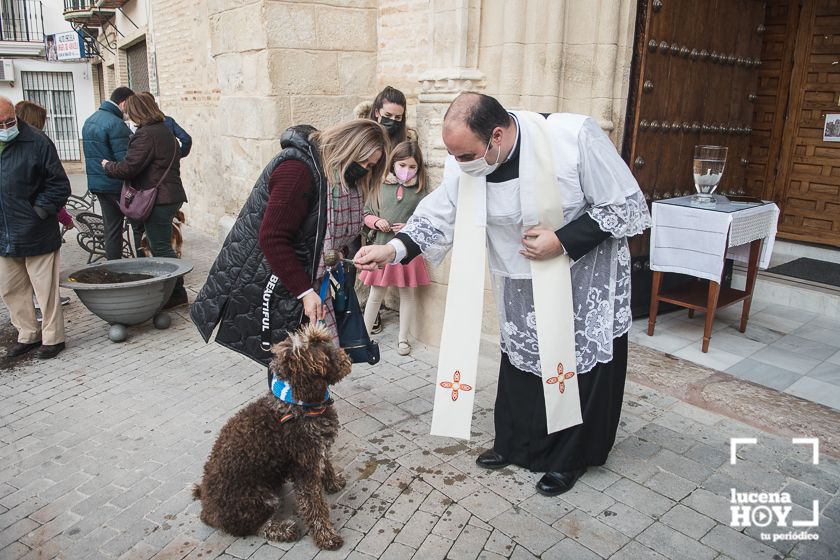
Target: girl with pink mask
[403,189]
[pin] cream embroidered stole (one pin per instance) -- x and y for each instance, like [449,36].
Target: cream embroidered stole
[458,361]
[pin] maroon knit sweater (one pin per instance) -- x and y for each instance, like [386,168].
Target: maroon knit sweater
[290,189]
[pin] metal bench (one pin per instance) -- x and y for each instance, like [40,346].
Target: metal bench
[91,236]
[80,203]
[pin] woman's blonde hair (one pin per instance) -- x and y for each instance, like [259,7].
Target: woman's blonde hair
[355,140]
[405,150]
[143,109]
[31,113]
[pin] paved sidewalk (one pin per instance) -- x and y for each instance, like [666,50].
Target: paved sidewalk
[98,451]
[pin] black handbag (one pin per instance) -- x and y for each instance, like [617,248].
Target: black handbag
[349,321]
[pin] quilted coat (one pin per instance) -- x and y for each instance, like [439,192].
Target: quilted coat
[232,296]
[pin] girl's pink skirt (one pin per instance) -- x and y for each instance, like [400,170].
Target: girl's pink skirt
[408,275]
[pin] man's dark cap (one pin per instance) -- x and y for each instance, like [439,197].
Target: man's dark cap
[121,94]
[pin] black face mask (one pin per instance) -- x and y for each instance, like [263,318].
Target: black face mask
[390,125]
[354,172]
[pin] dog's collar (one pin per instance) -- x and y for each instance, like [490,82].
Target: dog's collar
[283,391]
[297,414]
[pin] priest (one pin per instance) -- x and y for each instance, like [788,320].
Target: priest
[548,204]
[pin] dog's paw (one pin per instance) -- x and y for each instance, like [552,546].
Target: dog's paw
[285,530]
[328,540]
[337,483]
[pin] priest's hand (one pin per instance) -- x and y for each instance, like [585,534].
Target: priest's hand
[372,257]
[313,307]
[540,243]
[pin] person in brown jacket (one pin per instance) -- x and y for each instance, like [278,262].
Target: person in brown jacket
[153,156]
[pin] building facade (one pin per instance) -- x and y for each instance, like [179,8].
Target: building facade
[65,89]
[236,73]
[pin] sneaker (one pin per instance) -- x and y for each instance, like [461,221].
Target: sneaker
[377,325]
[21,348]
[47,351]
[178,297]
[403,348]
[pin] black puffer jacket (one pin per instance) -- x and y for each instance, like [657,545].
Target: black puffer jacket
[233,292]
[33,186]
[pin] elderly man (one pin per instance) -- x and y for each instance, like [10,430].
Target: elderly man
[105,136]
[548,203]
[33,187]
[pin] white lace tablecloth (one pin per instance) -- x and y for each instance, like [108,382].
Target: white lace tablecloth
[696,241]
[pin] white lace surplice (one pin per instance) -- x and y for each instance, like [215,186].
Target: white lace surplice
[600,279]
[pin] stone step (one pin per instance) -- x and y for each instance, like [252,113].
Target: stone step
[815,297]
[794,292]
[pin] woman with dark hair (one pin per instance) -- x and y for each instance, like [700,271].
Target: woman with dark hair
[308,200]
[185,140]
[388,109]
[153,158]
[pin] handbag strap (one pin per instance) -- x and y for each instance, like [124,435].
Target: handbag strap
[168,167]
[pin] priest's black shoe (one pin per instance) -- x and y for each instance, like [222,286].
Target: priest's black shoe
[556,483]
[21,348]
[491,460]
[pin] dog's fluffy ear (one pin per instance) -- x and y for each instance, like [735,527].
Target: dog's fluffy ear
[286,352]
[341,365]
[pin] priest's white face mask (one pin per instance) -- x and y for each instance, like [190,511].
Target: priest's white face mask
[479,166]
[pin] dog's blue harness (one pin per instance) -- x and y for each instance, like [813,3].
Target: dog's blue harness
[283,391]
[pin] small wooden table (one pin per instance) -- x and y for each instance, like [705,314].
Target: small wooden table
[685,231]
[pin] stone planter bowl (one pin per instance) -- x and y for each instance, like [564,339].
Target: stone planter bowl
[129,303]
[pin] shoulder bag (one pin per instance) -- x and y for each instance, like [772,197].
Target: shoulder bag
[349,321]
[137,204]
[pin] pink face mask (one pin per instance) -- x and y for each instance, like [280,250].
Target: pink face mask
[405,174]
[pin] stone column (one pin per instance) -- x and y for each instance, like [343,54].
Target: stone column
[564,55]
[453,28]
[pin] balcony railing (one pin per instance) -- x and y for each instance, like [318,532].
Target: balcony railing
[78,5]
[21,21]
[91,13]
[88,5]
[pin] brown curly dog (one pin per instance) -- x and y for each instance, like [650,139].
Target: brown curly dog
[284,436]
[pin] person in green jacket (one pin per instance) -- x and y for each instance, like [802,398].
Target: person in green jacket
[403,189]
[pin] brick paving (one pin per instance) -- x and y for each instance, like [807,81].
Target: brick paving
[98,451]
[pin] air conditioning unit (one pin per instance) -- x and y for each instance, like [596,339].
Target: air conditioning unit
[7,71]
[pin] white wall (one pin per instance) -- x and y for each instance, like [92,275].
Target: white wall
[83,85]
[54,22]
